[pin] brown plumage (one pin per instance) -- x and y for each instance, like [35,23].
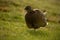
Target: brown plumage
[34,18]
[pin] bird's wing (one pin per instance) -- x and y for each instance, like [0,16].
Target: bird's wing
[40,18]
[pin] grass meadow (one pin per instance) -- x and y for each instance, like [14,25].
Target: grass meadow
[12,21]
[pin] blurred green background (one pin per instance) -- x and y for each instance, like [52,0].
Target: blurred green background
[12,22]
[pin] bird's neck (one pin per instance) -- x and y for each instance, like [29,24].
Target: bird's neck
[31,12]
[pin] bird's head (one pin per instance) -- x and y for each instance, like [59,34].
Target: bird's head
[28,8]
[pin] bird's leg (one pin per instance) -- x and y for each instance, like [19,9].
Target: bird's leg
[35,30]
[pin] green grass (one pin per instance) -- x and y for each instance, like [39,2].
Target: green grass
[13,26]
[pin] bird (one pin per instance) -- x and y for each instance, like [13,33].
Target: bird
[34,18]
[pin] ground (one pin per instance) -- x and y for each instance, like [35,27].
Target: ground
[12,22]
